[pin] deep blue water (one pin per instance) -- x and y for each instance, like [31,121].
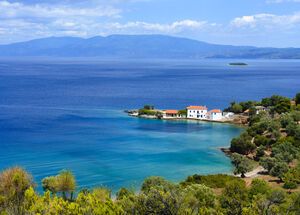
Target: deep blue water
[68,114]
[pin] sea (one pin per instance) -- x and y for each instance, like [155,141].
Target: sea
[58,114]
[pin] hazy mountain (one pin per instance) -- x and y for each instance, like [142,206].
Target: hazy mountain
[139,46]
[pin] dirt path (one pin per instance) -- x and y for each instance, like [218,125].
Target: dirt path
[254,173]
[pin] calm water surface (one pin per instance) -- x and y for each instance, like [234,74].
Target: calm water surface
[68,114]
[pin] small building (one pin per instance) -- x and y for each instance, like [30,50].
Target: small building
[260,109]
[197,112]
[169,114]
[215,115]
[228,115]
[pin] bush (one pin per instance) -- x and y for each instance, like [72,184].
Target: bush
[147,112]
[279,169]
[261,140]
[297,98]
[285,152]
[212,181]
[260,152]
[234,197]
[242,144]
[258,186]
[290,185]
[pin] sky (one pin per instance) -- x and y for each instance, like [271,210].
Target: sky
[264,23]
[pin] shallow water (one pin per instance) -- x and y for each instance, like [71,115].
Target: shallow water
[66,114]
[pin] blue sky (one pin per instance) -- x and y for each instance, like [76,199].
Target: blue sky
[238,22]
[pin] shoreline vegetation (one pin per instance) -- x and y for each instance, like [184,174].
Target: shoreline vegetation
[266,167]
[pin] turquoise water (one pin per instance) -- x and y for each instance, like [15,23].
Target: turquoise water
[105,147]
[58,115]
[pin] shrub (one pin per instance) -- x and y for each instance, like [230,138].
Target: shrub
[261,140]
[242,144]
[290,185]
[212,181]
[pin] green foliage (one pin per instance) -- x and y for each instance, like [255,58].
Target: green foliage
[155,182]
[234,198]
[261,140]
[182,112]
[279,169]
[258,186]
[235,108]
[50,184]
[147,112]
[242,144]
[291,179]
[148,107]
[297,98]
[285,120]
[157,196]
[285,152]
[260,152]
[124,193]
[242,164]
[13,184]
[64,183]
[212,181]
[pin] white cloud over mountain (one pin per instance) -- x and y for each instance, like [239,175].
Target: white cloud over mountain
[30,19]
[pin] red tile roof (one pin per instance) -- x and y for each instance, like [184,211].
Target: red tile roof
[215,111]
[171,111]
[197,108]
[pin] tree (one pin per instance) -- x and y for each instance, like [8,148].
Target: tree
[50,184]
[283,106]
[297,98]
[279,169]
[196,198]
[236,108]
[156,182]
[260,152]
[285,120]
[123,193]
[261,140]
[242,144]
[66,184]
[267,163]
[242,164]
[148,107]
[285,152]
[258,186]
[234,197]
[13,184]
[158,196]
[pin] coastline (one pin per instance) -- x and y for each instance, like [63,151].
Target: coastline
[237,120]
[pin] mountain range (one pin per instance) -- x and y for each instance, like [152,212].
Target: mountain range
[140,46]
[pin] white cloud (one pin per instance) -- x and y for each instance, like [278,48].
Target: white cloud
[267,21]
[174,27]
[19,10]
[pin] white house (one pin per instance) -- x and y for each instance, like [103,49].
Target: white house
[215,114]
[197,112]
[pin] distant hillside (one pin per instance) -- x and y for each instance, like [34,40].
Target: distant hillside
[139,46]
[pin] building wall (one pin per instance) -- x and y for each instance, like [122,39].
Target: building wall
[197,114]
[215,116]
